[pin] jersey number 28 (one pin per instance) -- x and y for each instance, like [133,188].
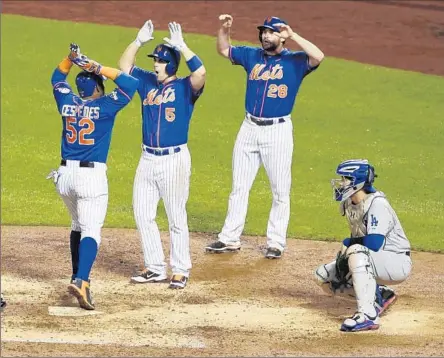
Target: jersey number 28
[275,91]
[87,127]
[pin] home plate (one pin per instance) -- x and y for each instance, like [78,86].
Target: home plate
[70,311]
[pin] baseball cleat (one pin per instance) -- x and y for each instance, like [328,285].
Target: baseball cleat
[178,282]
[273,253]
[219,247]
[385,297]
[80,289]
[147,276]
[360,322]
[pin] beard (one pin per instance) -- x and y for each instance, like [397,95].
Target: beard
[269,46]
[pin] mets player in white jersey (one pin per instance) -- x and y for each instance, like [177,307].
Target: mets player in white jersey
[376,253]
[165,165]
[81,180]
[274,75]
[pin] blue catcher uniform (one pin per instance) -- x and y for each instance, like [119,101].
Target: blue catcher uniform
[165,165]
[81,179]
[266,135]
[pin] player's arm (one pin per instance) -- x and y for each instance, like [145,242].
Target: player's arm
[315,55]
[223,35]
[61,72]
[197,69]
[128,57]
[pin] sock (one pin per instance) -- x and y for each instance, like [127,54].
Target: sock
[87,255]
[74,240]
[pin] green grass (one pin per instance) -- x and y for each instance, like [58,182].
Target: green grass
[345,110]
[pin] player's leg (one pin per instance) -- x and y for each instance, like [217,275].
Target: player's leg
[146,197]
[364,284]
[246,163]
[174,189]
[64,188]
[92,191]
[276,150]
[391,268]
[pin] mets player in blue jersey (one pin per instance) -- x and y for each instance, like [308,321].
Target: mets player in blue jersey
[165,165]
[274,75]
[377,252]
[81,181]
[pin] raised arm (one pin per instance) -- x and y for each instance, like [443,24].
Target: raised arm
[197,69]
[315,55]
[61,71]
[223,35]
[128,57]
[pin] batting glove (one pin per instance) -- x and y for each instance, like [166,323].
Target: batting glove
[145,33]
[176,39]
[83,61]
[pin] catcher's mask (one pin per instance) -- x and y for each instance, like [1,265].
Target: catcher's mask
[356,174]
[168,54]
[270,23]
[87,82]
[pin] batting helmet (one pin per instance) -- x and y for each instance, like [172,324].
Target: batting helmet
[168,54]
[87,82]
[270,23]
[357,174]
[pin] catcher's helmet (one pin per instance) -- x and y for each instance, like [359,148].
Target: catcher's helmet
[356,174]
[168,54]
[87,82]
[270,23]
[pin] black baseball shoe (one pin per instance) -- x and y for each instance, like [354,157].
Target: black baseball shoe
[220,247]
[147,276]
[178,282]
[273,253]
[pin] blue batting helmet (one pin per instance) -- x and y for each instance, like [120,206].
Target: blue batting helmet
[168,54]
[270,23]
[356,174]
[87,82]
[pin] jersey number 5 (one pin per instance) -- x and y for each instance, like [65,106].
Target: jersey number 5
[72,134]
[275,91]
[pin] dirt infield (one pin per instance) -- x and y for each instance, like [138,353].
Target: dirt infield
[240,304]
[401,34]
[235,304]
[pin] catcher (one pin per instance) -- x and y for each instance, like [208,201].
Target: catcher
[376,253]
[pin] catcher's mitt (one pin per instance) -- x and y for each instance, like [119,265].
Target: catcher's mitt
[342,270]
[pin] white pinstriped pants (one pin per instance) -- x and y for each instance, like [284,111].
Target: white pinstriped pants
[166,177]
[271,146]
[85,193]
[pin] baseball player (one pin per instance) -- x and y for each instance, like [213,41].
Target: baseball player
[274,75]
[81,180]
[376,253]
[165,165]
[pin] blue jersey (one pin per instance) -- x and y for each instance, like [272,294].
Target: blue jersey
[273,81]
[166,109]
[87,124]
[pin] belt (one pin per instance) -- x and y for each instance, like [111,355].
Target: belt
[160,151]
[265,122]
[82,164]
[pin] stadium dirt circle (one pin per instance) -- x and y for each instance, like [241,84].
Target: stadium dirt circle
[235,304]
[240,304]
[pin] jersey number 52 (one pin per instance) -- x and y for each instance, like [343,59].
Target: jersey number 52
[73,135]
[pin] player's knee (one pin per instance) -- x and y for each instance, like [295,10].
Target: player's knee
[358,259]
[94,234]
[281,197]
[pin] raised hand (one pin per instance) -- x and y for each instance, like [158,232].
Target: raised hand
[285,31]
[82,60]
[145,34]
[176,39]
[227,20]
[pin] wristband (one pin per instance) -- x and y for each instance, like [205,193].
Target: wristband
[194,63]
